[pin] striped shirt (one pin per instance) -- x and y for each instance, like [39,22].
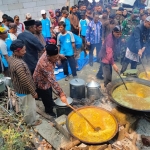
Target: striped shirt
[21,76]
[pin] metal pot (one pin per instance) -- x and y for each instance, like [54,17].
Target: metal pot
[2,86]
[93,90]
[77,88]
[58,101]
[61,107]
[8,81]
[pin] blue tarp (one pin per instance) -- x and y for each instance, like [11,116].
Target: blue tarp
[82,61]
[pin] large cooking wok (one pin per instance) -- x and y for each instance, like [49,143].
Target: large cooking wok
[116,83]
[99,118]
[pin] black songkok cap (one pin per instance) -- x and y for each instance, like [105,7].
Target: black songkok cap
[17,45]
[51,49]
[38,23]
[29,23]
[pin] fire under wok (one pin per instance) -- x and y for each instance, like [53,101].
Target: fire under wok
[137,97]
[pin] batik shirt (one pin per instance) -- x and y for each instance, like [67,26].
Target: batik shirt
[94,32]
[44,77]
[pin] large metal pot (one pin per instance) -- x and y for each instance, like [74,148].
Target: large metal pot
[77,88]
[2,86]
[93,90]
[116,83]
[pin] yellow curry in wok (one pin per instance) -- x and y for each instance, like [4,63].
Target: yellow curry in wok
[137,96]
[99,118]
[144,76]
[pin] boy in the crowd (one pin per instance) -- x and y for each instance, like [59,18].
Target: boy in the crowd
[82,29]
[66,47]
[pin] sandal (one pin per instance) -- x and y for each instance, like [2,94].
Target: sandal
[37,122]
[67,78]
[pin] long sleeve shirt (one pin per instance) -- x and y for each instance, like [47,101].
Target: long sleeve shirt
[138,39]
[94,32]
[44,77]
[21,77]
[33,47]
[108,48]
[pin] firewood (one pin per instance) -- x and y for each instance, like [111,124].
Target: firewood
[99,147]
[124,119]
[71,145]
[121,134]
[80,148]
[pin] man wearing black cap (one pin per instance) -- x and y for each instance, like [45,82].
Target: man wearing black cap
[33,45]
[44,78]
[23,83]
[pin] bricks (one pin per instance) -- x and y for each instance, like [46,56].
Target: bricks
[50,7]
[29,4]
[47,2]
[14,12]
[61,1]
[27,10]
[3,7]
[38,9]
[21,1]
[15,6]
[10,1]
[40,3]
[21,7]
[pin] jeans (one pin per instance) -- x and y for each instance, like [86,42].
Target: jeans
[46,96]
[72,64]
[107,72]
[92,47]
[126,63]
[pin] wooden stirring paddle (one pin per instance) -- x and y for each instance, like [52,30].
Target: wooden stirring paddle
[122,80]
[95,128]
[144,69]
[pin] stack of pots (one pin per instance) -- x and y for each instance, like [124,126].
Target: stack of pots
[78,90]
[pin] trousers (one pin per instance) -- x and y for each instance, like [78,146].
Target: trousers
[72,64]
[47,99]
[28,108]
[107,72]
[126,63]
[92,47]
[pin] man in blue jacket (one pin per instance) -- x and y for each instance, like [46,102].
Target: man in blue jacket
[136,45]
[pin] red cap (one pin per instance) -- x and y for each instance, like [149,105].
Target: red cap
[53,41]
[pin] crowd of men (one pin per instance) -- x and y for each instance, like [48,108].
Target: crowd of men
[30,50]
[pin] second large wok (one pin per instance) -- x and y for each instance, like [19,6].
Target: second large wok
[116,83]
